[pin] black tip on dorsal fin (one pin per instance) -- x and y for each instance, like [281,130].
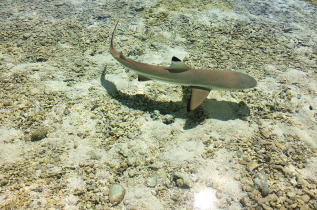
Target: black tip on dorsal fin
[175,59]
[177,65]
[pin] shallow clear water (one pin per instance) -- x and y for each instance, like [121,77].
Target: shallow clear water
[78,130]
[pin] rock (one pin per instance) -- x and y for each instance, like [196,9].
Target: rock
[270,198]
[304,207]
[132,173]
[7,102]
[168,119]
[245,201]
[93,156]
[116,193]
[39,134]
[305,198]
[155,115]
[291,194]
[247,188]
[3,182]
[151,182]
[181,179]
[215,185]
[261,183]
[27,35]
[253,165]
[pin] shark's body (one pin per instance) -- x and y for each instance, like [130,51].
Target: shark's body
[201,81]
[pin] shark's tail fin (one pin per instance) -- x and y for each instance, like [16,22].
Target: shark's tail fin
[112,50]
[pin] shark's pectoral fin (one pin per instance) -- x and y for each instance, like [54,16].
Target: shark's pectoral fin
[142,79]
[197,97]
[177,66]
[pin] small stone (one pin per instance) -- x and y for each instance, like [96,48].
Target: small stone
[99,207]
[39,134]
[79,192]
[116,193]
[215,185]
[253,165]
[245,201]
[182,180]
[131,160]
[180,183]
[93,156]
[218,194]
[304,207]
[237,177]
[265,133]
[293,206]
[151,182]
[168,119]
[291,194]
[27,35]
[132,173]
[265,207]
[3,182]
[7,103]
[305,198]
[293,181]
[155,114]
[270,198]
[261,183]
[176,196]
[247,188]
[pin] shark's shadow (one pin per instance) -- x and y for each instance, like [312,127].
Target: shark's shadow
[221,110]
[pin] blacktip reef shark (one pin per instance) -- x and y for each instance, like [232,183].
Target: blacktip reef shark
[201,81]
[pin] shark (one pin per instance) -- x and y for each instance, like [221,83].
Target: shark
[201,81]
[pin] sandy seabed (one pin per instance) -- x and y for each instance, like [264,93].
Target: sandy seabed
[74,122]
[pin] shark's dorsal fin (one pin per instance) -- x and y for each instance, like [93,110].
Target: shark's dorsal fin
[197,97]
[177,65]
